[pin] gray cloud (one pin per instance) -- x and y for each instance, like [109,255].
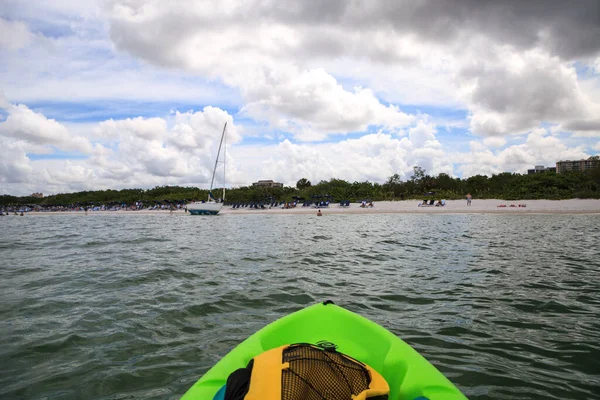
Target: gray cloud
[569,29]
[566,29]
[513,93]
[531,97]
[582,125]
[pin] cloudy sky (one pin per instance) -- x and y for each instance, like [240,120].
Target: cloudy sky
[133,93]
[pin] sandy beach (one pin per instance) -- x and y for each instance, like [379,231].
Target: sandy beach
[572,206]
[490,206]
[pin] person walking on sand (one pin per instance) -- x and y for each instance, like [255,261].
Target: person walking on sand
[469,198]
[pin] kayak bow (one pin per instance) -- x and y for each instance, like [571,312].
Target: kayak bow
[409,375]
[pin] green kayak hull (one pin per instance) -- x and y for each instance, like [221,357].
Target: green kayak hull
[409,374]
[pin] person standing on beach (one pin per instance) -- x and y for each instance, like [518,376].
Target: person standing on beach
[469,198]
[319,213]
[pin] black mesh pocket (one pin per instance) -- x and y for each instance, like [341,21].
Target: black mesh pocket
[317,374]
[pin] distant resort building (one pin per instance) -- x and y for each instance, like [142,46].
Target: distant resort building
[268,183]
[38,195]
[579,165]
[540,168]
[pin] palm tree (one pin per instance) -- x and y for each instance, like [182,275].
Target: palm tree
[303,183]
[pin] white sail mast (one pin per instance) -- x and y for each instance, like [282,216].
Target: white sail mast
[216,163]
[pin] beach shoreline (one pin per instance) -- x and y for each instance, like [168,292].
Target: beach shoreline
[487,206]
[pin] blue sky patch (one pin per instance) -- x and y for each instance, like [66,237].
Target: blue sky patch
[584,70]
[102,110]
[57,155]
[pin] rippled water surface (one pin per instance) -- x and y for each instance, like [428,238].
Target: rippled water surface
[140,306]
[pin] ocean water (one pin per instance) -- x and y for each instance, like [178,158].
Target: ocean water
[140,306]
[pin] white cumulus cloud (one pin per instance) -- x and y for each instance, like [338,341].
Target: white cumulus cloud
[539,148]
[29,126]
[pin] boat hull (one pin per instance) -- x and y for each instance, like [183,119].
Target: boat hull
[204,208]
[408,374]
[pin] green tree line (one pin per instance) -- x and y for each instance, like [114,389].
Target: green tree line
[507,186]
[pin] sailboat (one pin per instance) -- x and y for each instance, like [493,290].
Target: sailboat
[212,207]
